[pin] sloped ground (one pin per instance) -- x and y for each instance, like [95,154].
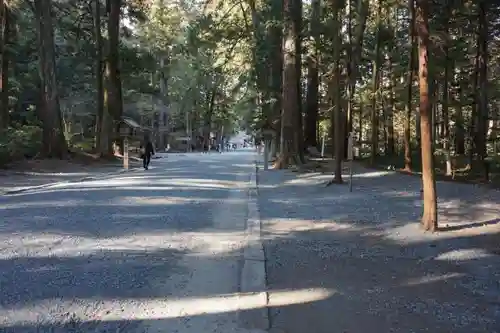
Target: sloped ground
[358,261]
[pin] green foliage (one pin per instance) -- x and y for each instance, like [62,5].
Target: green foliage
[18,143]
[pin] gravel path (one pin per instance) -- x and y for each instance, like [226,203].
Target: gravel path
[358,263]
[150,251]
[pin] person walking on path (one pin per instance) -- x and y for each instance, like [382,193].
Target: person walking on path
[147,150]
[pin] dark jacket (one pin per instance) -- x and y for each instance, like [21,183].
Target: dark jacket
[149,149]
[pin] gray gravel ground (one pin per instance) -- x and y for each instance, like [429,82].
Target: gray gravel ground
[151,251]
[340,262]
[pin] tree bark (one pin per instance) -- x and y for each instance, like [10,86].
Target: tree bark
[275,35]
[4,54]
[114,98]
[54,143]
[98,73]
[311,118]
[375,85]
[482,115]
[297,27]
[409,87]
[337,125]
[429,218]
[289,112]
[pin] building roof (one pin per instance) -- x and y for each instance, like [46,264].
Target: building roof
[130,122]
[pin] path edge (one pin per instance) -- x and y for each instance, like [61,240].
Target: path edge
[253,281]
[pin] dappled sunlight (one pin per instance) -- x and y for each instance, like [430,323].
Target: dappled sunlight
[312,178]
[119,201]
[249,165]
[161,308]
[463,255]
[166,200]
[431,279]
[215,183]
[42,204]
[208,242]
[373,174]
[288,226]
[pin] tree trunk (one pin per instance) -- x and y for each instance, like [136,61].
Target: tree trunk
[260,58]
[297,27]
[98,73]
[354,51]
[207,119]
[482,115]
[389,120]
[338,123]
[459,120]
[275,36]
[409,86]
[4,54]
[475,104]
[375,85]
[429,218]
[311,119]
[113,80]
[54,143]
[445,99]
[289,101]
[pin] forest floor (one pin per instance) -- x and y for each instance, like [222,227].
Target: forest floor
[31,173]
[360,261]
[462,172]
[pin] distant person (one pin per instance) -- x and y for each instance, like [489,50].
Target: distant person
[147,150]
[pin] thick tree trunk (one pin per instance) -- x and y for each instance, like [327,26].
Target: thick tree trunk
[409,86]
[445,101]
[4,54]
[98,73]
[391,109]
[375,85]
[289,114]
[482,115]
[429,218]
[113,80]
[299,124]
[354,54]
[276,62]
[311,118]
[459,122]
[338,124]
[54,143]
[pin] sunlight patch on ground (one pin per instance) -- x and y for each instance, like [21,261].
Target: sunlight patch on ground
[160,200]
[162,308]
[463,255]
[315,177]
[42,204]
[205,183]
[251,165]
[67,246]
[431,279]
[373,174]
[285,226]
[128,182]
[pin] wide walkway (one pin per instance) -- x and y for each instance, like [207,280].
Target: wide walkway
[149,251]
[357,262]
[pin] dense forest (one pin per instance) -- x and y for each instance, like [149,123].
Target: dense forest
[414,81]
